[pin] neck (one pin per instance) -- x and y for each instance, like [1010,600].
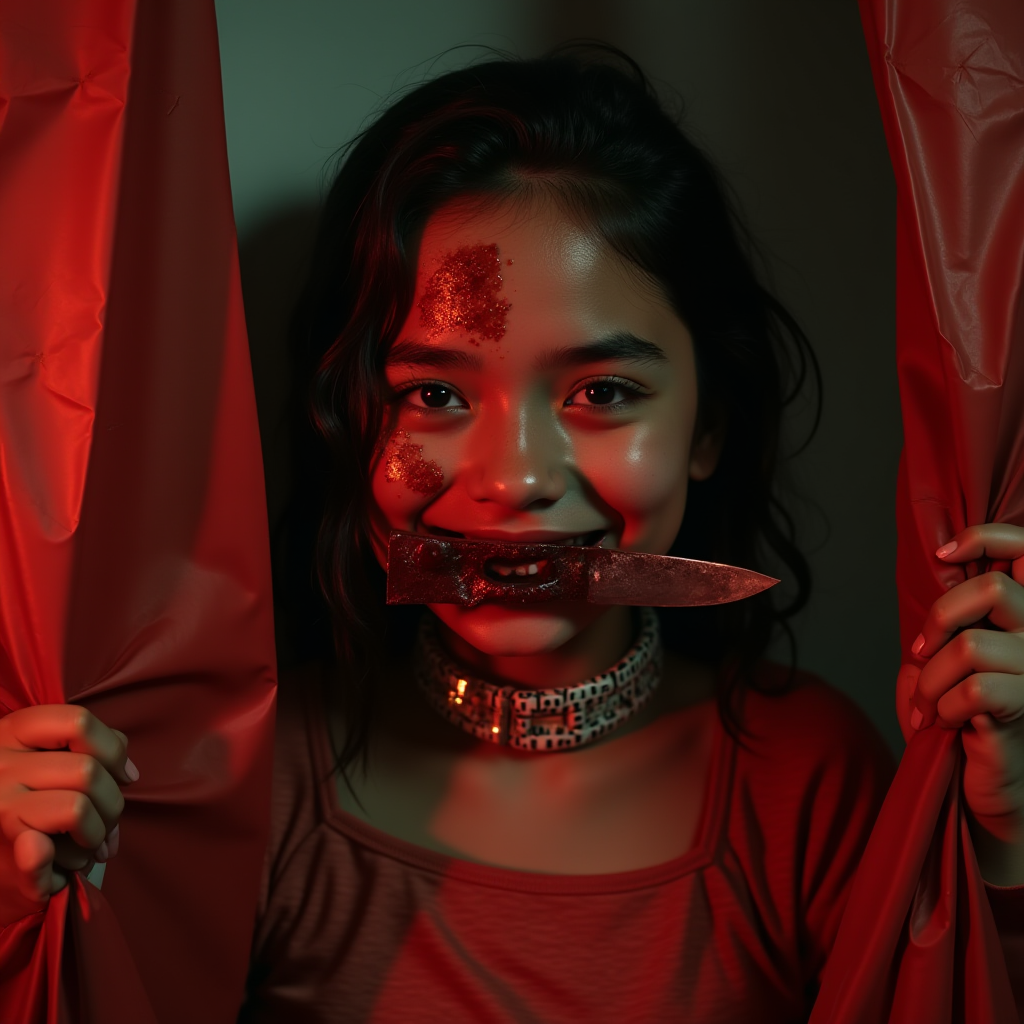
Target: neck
[541,717]
[590,651]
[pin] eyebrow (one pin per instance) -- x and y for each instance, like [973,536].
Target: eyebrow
[621,346]
[414,353]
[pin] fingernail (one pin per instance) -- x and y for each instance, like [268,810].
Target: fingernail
[130,770]
[946,549]
[918,645]
[916,718]
[102,853]
[114,840]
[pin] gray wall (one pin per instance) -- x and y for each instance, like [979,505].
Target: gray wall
[781,96]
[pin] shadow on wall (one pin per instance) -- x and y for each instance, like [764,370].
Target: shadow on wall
[273,258]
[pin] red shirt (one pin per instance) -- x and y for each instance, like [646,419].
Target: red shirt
[355,925]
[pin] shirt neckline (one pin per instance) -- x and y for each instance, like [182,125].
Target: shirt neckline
[721,766]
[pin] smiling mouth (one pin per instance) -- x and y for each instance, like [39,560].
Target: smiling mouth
[449,568]
[527,570]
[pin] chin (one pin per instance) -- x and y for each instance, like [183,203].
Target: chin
[505,631]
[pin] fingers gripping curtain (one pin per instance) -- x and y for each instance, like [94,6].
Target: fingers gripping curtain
[918,941]
[134,574]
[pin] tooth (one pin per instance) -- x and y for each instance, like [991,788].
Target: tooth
[532,569]
[520,570]
[503,570]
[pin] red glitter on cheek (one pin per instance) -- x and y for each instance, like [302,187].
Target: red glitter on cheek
[464,293]
[404,463]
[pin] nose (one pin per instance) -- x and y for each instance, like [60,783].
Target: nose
[517,457]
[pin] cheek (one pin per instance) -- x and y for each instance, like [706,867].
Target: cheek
[405,479]
[642,475]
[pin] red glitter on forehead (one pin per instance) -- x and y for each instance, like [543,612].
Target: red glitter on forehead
[404,463]
[464,294]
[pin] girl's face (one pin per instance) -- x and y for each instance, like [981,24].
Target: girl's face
[542,390]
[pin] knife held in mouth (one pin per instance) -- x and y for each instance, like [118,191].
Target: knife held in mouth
[447,570]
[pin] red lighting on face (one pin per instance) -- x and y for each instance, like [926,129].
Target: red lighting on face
[464,294]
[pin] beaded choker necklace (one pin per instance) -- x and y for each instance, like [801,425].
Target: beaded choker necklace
[556,719]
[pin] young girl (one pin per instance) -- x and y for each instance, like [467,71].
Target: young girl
[531,316]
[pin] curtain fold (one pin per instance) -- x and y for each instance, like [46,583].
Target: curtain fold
[133,538]
[918,941]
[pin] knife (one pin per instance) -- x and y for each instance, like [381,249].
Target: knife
[446,570]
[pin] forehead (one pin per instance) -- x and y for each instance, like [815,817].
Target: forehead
[510,284]
[522,260]
[535,227]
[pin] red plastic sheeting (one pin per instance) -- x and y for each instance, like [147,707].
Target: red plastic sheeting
[918,942]
[133,540]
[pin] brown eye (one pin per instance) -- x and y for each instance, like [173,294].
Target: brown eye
[607,394]
[435,396]
[600,394]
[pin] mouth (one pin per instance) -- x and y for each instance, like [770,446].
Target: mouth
[524,570]
[517,561]
[443,567]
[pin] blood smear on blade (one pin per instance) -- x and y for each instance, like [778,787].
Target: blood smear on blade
[464,294]
[404,463]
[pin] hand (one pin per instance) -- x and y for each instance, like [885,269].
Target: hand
[972,646]
[60,769]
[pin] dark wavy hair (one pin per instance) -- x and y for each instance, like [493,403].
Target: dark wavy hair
[584,126]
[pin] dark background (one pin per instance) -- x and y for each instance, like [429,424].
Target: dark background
[779,93]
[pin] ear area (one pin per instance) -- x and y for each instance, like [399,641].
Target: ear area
[706,448]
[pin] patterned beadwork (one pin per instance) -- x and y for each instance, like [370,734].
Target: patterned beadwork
[556,719]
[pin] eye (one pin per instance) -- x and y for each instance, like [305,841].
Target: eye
[433,395]
[600,394]
[606,392]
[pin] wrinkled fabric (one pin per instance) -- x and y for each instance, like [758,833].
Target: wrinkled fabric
[919,941]
[133,540]
[355,925]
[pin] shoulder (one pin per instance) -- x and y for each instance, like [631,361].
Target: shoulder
[808,722]
[808,758]
[811,772]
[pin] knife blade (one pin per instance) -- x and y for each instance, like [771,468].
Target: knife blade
[447,570]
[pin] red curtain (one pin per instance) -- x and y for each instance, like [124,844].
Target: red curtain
[134,568]
[918,942]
